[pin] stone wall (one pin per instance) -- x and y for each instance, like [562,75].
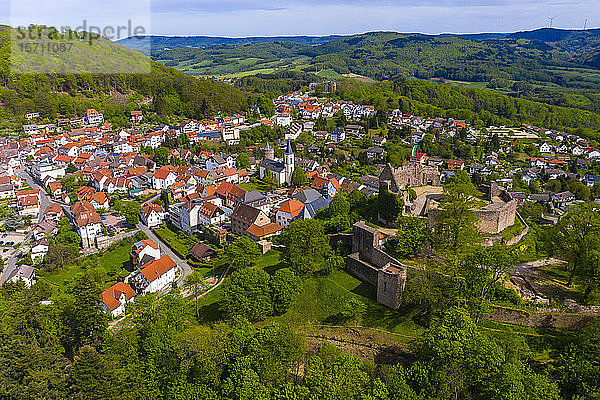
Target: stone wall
[398,179]
[391,281]
[492,219]
[496,217]
[361,269]
[369,263]
[542,319]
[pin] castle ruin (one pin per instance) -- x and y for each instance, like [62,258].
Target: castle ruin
[369,263]
[398,179]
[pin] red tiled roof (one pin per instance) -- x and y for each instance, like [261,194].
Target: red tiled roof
[292,207]
[264,230]
[156,268]
[111,296]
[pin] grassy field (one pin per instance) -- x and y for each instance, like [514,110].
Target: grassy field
[179,242]
[257,185]
[329,74]
[114,262]
[323,298]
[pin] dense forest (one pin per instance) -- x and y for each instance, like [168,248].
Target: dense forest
[167,91]
[66,350]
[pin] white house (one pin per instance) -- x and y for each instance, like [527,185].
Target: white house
[39,250]
[210,214]
[152,214]
[24,273]
[115,298]
[87,222]
[288,212]
[231,135]
[163,178]
[93,117]
[155,275]
[143,252]
[546,148]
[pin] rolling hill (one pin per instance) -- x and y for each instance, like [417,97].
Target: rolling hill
[385,55]
[103,75]
[160,43]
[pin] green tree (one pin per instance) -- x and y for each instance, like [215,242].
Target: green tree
[161,156]
[83,321]
[576,238]
[285,285]
[456,223]
[307,247]
[60,255]
[269,178]
[242,161]
[299,177]
[92,377]
[483,269]
[13,220]
[389,205]
[195,281]
[339,205]
[413,233]
[242,252]
[246,293]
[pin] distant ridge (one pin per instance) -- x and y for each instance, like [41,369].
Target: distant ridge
[158,43]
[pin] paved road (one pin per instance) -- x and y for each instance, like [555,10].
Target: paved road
[182,264]
[45,201]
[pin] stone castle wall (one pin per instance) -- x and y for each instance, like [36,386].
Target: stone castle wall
[398,179]
[496,217]
[369,263]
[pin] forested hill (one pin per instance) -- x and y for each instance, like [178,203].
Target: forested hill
[159,43]
[163,89]
[385,55]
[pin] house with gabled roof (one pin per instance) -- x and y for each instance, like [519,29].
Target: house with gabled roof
[164,177]
[115,298]
[88,223]
[155,275]
[152,214]
[288,212]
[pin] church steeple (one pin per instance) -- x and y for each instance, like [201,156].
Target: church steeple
[288,159]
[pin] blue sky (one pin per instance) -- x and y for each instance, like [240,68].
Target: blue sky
[308,17]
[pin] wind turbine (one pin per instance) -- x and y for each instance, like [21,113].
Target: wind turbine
[551,20]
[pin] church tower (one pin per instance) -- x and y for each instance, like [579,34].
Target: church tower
[288,162]
[268,152]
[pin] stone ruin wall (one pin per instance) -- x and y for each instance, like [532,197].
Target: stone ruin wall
[398,179]
[372,265]
[496,220]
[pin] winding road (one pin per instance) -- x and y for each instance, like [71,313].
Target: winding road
[185,268]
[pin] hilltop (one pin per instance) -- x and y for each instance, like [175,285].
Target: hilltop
[112,77]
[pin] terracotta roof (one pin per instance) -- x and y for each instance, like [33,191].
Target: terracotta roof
[139,246]
[210,210]
[85,213]
[149,207]
[292,207]
[155,269]
[111,296]
[264,230]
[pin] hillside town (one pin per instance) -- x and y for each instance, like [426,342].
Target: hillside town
[183,179]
